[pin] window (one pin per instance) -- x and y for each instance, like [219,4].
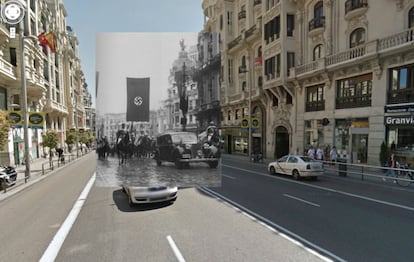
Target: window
[13,58]
[229,115]
[244,86]
[411,18]
[317,52]
[278,65]
[221,22]
[290,24]
[401,86]
[230,72]
[238,114]
[315,100]
[3,98]
[290,61]
[243,61]
[318,10]
[354,92]
[229,21]
[357,37]
[270,68]
[272,30]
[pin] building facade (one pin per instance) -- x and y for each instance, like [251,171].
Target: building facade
[52,76]
[325,73]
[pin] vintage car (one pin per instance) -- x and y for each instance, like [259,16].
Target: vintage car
[183,148]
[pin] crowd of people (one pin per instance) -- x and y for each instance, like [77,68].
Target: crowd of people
[322,154]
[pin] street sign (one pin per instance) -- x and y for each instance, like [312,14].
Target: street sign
[255,123]
[36,119]
[16,118]
[245,123]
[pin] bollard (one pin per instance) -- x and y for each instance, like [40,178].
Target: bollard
[43,169]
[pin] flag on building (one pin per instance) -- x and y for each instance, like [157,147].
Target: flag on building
[48,39]
[138,95]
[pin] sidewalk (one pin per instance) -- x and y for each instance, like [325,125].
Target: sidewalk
[39,169]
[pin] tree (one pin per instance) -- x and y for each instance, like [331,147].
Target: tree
[50,139]
[70,140]
[4,129]
[383,154]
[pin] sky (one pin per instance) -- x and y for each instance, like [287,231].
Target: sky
[122,55]
[87,18]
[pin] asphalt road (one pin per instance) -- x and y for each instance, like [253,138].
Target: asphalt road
[197,227]
[344,218]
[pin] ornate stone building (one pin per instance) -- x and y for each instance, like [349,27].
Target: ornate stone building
[328,73]
[54,79]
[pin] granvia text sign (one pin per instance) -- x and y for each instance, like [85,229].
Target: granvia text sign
[399,120]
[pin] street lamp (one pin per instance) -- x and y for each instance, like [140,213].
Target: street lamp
[24,103]
[75,117]
[243,69]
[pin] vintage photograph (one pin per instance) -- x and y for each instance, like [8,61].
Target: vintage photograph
[157,115]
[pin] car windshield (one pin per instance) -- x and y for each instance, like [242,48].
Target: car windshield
[188,138]
[307,159]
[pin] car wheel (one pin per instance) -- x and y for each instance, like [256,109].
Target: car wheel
[213,164]
[272,170]
[131,204]
[295,174]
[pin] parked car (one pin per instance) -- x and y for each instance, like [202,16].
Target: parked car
[183,148]
[8,175]
[296,166]
[145,195]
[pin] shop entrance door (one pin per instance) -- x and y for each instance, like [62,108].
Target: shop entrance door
[359,145]
[282,142]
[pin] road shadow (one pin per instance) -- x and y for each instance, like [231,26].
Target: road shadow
[121,200]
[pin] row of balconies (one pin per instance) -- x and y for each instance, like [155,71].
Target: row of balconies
[390,43]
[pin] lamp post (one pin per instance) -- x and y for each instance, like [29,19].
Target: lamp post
[24,102]
[249,139]
[75,117]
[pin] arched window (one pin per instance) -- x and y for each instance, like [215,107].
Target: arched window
[259,51]
[238,114]
[243,61]
[318,10]
[411,18]
[244,86]
[229,115]
[317,52]
[357,37]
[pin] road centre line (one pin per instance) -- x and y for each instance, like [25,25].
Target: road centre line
[277,229]
[229,176]
[328,189]
[302,200]
[55,245]
[175,249]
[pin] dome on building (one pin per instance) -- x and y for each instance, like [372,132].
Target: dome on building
[182,58]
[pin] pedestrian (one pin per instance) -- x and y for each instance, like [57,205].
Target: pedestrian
[333,155]
[297,151]
[392,164]
[319,153]
[311,152]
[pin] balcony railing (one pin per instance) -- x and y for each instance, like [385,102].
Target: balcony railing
[351,5]
[242,14]
[371,48]
[250,31]
[405,95]
[234,42]
[315,106]
[353,101]
[317,22]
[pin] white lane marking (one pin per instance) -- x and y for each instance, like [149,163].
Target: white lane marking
[57,242]
[329,189]
[277,229]
[175,249]
[302,200]
[229,176]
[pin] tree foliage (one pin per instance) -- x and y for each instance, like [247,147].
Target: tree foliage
[50,139]
[383,153]
[70,138]
[4,129]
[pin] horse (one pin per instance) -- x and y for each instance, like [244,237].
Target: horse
[144,147]
[123,148]
[102,149]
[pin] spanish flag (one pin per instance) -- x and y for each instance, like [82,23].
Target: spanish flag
[49,40]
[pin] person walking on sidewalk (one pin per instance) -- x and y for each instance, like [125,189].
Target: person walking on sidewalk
[333,155]
[391,164]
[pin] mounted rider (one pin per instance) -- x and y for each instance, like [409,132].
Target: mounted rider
[122,134]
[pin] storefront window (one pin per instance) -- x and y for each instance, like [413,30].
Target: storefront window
[401,142]
[240,145]
[313,133]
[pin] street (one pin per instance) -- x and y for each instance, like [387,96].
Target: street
[253,216]
[145,172]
